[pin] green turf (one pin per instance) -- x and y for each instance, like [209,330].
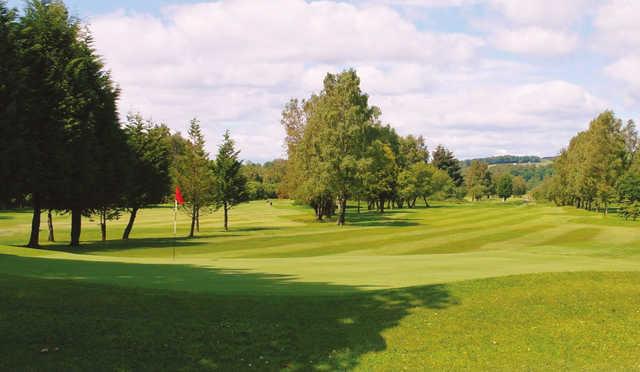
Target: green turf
[455,286]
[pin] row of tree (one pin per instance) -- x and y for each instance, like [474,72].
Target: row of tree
[62,147]
[532,174]
[599,167]
[209,184]
[61,141]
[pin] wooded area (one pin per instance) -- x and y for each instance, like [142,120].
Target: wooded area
[63,147]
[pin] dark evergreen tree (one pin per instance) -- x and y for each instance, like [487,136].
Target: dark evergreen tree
[230,184]
[504,186]
[194,176]
[444,159]
[45,40]
[150,181]
[11,144]
[96,144]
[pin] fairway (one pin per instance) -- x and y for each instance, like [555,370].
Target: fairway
[457,285]
[401,248]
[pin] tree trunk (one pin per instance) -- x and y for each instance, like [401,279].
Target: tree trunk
[76,226]
[342,211]
[103,225]
[193,221]
[103,230]
[426,203]
[381,205]
[198,220]
[132,218]
[358,205]
[226,217]
[34,239]
[51,238]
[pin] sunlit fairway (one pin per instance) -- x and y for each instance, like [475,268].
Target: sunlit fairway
[488,285]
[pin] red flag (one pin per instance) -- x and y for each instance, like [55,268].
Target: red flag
[179,198]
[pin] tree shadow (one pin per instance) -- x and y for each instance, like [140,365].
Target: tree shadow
[170,317]
[157,242]
[18,210]
[117,245]
[255,228]
[372,218]
[434,206]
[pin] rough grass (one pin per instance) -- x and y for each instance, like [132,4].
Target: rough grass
[563,321]
[497,286]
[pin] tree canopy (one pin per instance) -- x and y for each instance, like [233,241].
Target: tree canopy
[338,150]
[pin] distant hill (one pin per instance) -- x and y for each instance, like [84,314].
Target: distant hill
[509,159]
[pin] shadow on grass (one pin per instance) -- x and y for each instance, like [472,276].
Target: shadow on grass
[121,316]
[256,228]
[372,218]
[117,245]
[432,206]
[18,210]
[158,242]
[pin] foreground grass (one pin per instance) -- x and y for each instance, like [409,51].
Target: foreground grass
[577,321]
[493,286]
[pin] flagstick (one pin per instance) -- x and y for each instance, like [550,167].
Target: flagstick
[175,219]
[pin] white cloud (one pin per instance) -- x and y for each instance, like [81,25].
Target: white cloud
[535,118]
[429,3]
[556,13]
[617,34]
[234,63]
[539,28]
[627,70]
[535,40]
[618,26]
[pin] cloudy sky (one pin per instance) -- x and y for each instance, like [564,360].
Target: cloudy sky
[483,77]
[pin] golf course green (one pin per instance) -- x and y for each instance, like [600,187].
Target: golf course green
[486,285]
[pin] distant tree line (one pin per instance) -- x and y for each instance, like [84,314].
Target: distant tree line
[505,159]
[599,167]
[483,181]
[264,181]
[62,146]
[532,174]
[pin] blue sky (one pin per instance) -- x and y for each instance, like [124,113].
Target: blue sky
[483,77]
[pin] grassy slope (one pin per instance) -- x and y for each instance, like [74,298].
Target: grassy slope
[281,292]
